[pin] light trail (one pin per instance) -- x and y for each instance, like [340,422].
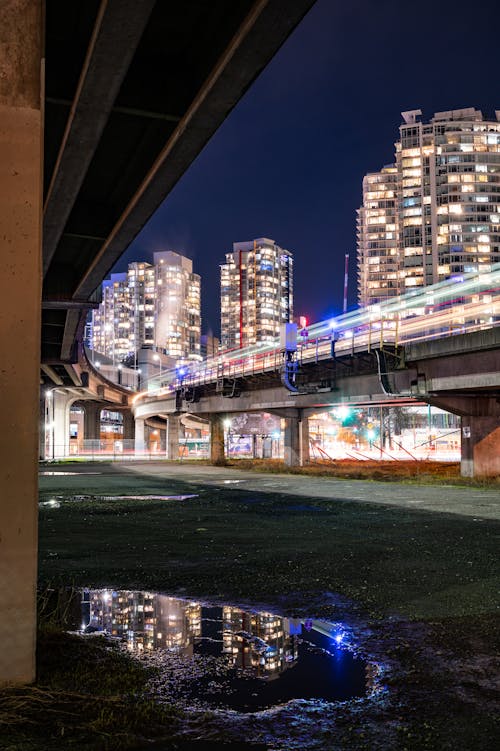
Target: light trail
[454,306]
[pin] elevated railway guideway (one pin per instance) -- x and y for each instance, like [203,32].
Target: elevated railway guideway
[104,104]
[438,345]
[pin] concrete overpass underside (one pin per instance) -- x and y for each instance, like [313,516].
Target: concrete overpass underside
[103,106]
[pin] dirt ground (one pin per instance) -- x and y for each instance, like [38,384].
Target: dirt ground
[410,568]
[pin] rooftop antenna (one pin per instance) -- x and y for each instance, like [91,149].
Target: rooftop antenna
[346,279]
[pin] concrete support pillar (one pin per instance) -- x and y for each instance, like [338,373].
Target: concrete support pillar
[128,426]
[92,421]
[21,139]
[480,446]
[217,454]
[61,403]
[140,443]
[296,440]
[172,437]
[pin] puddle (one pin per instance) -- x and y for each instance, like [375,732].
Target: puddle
[55,502]
[142,497]
[56,474]
[52,503]
[223,657]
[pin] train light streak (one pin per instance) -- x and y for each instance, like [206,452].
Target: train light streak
[447,308]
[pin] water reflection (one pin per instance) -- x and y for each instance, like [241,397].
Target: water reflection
[146,621]
[244,660]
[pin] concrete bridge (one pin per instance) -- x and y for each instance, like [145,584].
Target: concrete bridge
[460,374]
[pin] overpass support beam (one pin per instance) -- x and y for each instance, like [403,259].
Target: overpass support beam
[61,403]
[92,421]
[172,437]
[480,446]
[296,439]
[21,140]
[217,454]
[140,443]
[128,426]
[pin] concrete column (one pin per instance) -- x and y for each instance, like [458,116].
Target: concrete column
[172,437]
[217,455]
[304,440]
[61,404]
[140,444]
[21,139]
[296,440]
[128,426]
[92,421]
[480,446]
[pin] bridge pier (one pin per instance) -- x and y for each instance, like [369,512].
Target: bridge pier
[92,421]
[217,453]
[172,437]
[128,425]
[139,444]
[21,141]
[480,446]
[61,403]
[296,439]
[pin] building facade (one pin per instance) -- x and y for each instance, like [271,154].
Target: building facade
[256,293]
[150,305]
[435,213]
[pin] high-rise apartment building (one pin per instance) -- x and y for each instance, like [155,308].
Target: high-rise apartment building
[256,293]
[177,311]
[154,305]
[434,213]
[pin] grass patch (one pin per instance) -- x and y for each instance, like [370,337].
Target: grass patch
[87,695]
[421,471]
[425,582]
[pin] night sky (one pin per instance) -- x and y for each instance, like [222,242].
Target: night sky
[288,162]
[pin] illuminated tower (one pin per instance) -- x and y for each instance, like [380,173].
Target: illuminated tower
[256,293]
[448,204]
[151,305]
[378,256]
[110,322]
[178,316]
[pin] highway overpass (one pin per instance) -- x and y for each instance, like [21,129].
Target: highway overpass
[459,373]
[103,106]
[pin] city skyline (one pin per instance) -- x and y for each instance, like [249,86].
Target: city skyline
[289,161]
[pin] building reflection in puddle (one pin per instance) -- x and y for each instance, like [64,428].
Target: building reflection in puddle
[145,621]
[252,646]
[262,641]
